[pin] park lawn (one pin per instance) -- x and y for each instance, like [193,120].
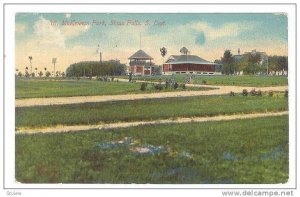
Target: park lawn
[30,88]
[150,109]
[253,151]
[242,80]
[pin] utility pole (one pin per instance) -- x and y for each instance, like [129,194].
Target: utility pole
[267,65]
[54,62]
[100,54]
[30,61]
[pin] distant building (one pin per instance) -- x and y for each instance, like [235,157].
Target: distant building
[264,60]
[140,63]
[190,64]
[263,56]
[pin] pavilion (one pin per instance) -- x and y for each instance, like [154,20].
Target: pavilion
[140,63]
[190,64]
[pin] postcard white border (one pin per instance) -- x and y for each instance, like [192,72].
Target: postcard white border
[12,9]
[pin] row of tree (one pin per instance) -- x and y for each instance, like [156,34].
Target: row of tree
[93,68]
[39,74]
[253,63]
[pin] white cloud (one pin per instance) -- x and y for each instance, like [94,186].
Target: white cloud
[51,35]
[48,34]
[73,31]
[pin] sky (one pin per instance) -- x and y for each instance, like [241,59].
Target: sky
[75,37]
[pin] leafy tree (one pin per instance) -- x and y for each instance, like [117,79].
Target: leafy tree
[278,63]
[227,61]
[163,51]
[27,73]
[47,74]
[95,68]
[283,64]
[40,73]
[253,63]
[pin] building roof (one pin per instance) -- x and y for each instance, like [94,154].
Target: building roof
[238,57]
[140,54]
[192,59]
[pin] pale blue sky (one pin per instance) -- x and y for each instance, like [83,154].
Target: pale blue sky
[205,35]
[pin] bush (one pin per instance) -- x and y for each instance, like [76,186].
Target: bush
[231,93]
[271,93]
[158,87]
[259,93]
[27,74]
[253,92]
[143,86]
[183,86]
[245,92]
[204,81]
[167,84]
[175,85]
[286,93]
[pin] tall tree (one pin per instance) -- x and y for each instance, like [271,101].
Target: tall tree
[227,61]
[283,64]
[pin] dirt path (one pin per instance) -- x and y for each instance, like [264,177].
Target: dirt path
[60,129]
[220,90]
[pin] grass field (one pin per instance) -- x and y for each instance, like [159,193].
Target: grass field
[92,113]
[252,81]
[241,151]
[28,88]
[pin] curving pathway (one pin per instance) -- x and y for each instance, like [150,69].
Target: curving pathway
[220,90]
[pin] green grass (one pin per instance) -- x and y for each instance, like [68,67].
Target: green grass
[28,88]
[152,109]
[253,151]
[245,80]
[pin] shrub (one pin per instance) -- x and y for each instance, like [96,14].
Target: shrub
[158,87]
[271,93]
[175,85]
[259,93]
[253,92]
[231,93]
[167,84]
[245,92]
[286,93]
[204,81]
[143,86]
[183,86]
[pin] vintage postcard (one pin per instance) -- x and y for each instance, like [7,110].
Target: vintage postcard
[157,99]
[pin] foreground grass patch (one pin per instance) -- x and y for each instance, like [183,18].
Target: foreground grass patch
[154,109]
[28,88]
[242,151]
[243,80]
